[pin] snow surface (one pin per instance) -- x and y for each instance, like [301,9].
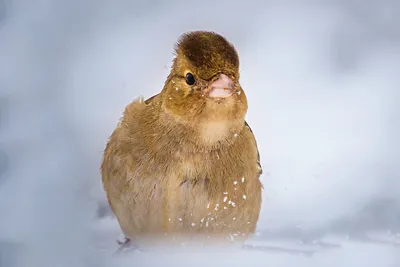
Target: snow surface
[321,79]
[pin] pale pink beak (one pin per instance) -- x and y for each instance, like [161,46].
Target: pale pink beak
[221,88]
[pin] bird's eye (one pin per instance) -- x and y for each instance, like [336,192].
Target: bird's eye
[190,78]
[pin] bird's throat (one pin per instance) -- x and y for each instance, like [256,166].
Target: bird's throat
[216,131]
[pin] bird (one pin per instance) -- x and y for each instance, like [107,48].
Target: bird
[183,165]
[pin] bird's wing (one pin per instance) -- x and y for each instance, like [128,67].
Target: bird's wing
[148,101]
[258,153]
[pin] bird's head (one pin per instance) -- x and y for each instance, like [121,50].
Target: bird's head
[203,86]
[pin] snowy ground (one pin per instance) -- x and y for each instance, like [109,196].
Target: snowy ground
[322,82]
[378,249]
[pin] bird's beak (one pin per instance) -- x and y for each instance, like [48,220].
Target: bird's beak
[221,88]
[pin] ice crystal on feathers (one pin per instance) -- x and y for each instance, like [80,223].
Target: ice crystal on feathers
[225,198]
[244,197]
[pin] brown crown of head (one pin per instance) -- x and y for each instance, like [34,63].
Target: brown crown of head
[209,53]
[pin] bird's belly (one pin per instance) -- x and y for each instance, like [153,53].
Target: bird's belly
[177,208]
[186,211]
[190,217]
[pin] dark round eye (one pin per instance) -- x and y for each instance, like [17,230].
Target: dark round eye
[190,79]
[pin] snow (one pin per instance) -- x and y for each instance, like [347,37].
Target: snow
[349,253]
[321,80]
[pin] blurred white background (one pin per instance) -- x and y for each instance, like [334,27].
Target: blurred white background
[322,80]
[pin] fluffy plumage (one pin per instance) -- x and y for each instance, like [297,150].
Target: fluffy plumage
[184,163]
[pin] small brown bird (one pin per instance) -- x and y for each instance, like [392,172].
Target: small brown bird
[184,164]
